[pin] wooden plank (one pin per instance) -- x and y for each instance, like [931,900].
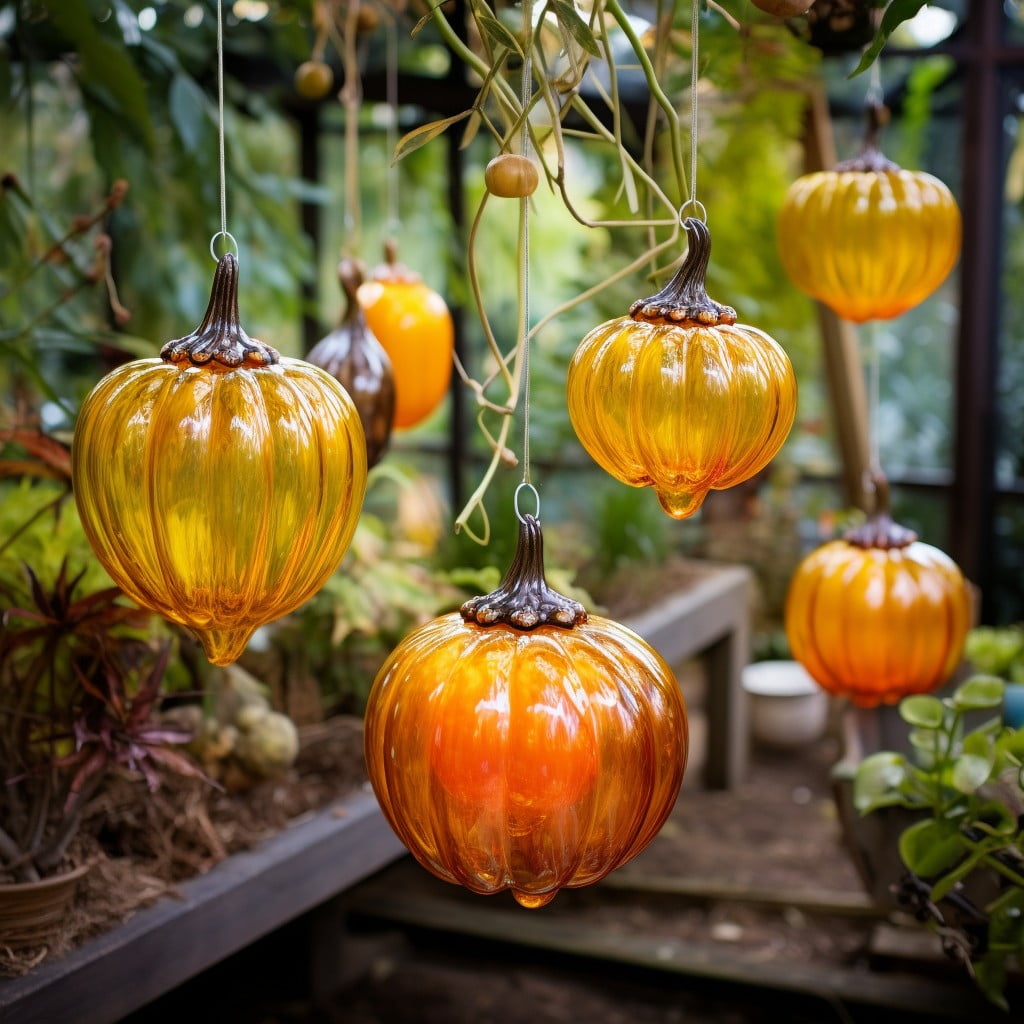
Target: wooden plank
[217,914]
[843,367]
[814,901]
[670,957]
[711,618]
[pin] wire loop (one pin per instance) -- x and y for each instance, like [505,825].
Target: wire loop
[698,210]
[536,498]
[213,243]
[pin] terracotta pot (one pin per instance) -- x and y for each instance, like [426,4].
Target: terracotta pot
[30,912]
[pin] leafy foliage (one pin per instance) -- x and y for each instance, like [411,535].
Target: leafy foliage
[968,787]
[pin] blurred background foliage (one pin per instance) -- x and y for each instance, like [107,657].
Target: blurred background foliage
[93,91]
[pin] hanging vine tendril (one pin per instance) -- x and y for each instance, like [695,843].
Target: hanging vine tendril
[551,80]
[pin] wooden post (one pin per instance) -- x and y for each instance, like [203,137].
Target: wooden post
[843,367]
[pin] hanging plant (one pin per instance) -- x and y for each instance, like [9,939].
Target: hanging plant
[220,484]
[413,324]
[678,396]
[869,239]
[878,615]
[354,358]
[520,744]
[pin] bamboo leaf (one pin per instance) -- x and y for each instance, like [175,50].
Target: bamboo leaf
[572,23]
[498,33]
[420,136]
[896,13]
[472,128]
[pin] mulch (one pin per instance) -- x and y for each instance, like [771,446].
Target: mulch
[141,845]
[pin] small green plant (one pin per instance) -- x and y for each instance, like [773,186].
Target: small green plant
[964,854]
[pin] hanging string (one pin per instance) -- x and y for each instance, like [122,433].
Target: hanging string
[391,97]
[694,77]
[223,233]
[526,92]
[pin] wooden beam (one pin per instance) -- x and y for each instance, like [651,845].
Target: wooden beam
[843,366]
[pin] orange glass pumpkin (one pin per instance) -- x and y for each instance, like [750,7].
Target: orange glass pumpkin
[220,484]
[413,324]
[356,360]
[678,396]
[520,744]
[869,239]
[878,615]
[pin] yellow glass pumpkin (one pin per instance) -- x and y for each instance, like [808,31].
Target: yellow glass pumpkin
[878,615]
[520,744]
[869,239]
[220,484]
[678,396]
[356,360]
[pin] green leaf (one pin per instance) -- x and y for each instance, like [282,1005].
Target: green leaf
[979,692]
[990,976]
[922,711]
[930,847]
[572,23]
[996,818]
[971,771]
[189,113]
[420,136]
[106,69]
[896,13]
[878,778]
[498,33]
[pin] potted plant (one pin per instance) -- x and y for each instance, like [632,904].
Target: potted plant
[959,793]
[81,682]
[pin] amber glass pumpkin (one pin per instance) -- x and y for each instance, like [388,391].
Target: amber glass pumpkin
[220,484]
[356,360]
[679,397]
[414,325]
[520,744]
[869,239]
[878,615]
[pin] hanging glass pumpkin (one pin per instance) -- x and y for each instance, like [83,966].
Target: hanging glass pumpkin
[520,744]
[413,324]
[677,395]
[220,484]
[869,239]
[354,358]
[878,615]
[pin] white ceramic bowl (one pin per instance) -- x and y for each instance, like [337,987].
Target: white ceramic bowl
[787,707]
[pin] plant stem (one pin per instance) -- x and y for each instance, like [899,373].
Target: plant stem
[656,91]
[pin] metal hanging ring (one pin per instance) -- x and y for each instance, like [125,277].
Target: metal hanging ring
[536,498]
[213,243]
[698,208]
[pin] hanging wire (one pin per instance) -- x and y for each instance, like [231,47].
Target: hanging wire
[391,97]
[526,92]
[223,233]
[694,77]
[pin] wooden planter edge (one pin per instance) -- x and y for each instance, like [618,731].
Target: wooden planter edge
[243,898]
